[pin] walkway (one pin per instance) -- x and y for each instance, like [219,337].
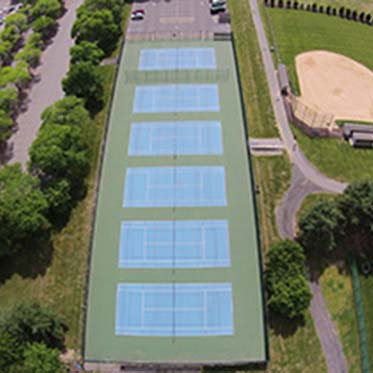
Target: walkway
[46,88]
[305,180]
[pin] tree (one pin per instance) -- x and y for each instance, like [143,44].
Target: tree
[97,27]
[45,26]
[46,8]
[114,6]
[86,52]
[59,152]
[8,99]
[38,358]
[67,111]
[6,52]
[318,227]
[30,55]
[33,323]
[288,291]
[6,125]
[356,206]
[18,75]
[11,35]
[22,209]
[58,194]
[84,80]
[35,40]
[18,20]
[10,351]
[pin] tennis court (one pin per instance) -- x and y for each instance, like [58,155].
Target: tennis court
[174,309]
[177,59]
[174,244]
[175,138]
[174,186]
[176,98]
[175,273]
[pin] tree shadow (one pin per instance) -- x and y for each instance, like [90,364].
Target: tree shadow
[30,261]
[284,326]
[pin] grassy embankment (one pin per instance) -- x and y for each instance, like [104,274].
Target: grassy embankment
[291,349]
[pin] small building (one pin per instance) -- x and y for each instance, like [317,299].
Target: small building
[361,140]
[350,128]
[283,79]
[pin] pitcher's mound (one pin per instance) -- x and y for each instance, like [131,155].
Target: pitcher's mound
[335,84]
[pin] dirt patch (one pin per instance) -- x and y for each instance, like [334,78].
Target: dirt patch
[335,84]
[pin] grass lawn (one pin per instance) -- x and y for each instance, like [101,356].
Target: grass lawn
[259,112]
[301,31]
[58,277]
[272,175]
[336,158]
[366,285]
[337,289]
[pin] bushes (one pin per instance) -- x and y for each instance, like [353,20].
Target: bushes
[31,337]
[97,27]
[329,10]
[346,223]
[22,210]
[59,155]
[288,291]
[84,80]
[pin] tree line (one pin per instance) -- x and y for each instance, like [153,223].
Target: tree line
[342,11]
[35,203]
[18,58]
[331,229]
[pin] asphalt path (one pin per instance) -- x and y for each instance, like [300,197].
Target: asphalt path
[305,180]
[46,88]
[295,154]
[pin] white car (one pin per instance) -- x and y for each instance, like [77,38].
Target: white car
[137,15]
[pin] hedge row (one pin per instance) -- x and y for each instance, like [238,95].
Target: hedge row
[343,12]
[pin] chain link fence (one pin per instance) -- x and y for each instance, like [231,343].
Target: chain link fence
[365,364]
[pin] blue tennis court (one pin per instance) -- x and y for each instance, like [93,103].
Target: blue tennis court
[176,98]
[174,309]
[178,244]
[177,58]
[175,186]
[175,138]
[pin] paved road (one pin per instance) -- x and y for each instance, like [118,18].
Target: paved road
[286,212]
[46,89]
[305,179]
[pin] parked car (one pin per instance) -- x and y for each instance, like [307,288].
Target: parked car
[137,15]
[217,7]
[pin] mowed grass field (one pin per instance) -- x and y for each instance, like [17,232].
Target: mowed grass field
[301,31]
[336,158]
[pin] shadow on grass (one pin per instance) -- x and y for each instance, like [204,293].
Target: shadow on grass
[28,262]
[284,326]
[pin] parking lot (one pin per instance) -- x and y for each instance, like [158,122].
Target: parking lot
[165,19]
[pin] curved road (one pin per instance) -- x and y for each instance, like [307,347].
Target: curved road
[305,180]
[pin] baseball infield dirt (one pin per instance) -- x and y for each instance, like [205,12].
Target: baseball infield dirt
[335,84]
